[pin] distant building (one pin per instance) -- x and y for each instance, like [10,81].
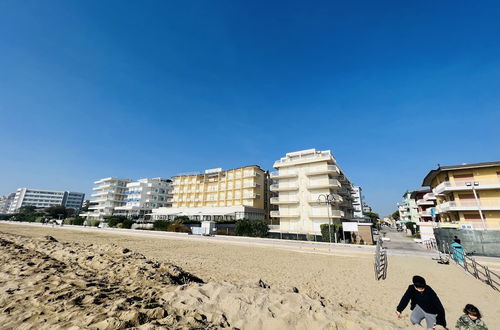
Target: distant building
[144,195]
[5,202]
[110,193]
[357,202]
[219,194]
[408,210]
[302,177]
[467,195]
[426,201]
[367,208]
[45,198]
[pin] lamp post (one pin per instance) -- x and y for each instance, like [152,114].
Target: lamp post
[474,184]
[328,199]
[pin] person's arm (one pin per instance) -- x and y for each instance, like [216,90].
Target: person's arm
[404,300]
[441,317]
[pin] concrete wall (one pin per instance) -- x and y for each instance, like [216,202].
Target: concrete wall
[482,243]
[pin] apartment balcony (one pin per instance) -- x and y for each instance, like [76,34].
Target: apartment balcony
[252,185]
[330,183]
[448,186]
[425,214]
[278,214]
[424,202]
[249,174]
[250,196]
[283,174]
[468,205]
[284,200]
[333,214]
[429,197]
[281,187]
[329,169]
[336,199]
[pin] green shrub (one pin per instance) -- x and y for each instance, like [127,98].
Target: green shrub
[161,225]
[115,220]
[127,223]
[94,222]
[325,234]
[251,228]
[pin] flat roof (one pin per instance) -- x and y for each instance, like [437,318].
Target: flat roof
[433,173]
[231,169]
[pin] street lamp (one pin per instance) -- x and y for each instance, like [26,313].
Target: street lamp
[474,184]
[328,199]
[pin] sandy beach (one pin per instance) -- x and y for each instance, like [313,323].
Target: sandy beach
[73,279]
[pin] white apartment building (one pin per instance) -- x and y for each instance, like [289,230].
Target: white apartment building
[110,193]
[5,202]
[357,202]
[302,177]
[45,198]
[144,195]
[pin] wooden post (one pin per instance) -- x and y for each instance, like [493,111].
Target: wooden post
[474,266]
[488,275]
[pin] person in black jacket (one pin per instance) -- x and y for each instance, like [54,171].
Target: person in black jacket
[425,304]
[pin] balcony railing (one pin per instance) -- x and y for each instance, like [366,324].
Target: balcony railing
[330,183]
[281,187]
[284,174]
[278,214]
[329,169]
[462,185]
[283,200]
[324,215]
[424,202]
[468,205]
[429,197]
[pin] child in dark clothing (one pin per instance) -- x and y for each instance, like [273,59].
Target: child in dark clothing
[425,304]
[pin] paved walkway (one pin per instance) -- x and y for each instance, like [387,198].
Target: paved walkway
[400,244]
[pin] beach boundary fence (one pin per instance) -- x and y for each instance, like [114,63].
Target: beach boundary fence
[380,263]
[471,266]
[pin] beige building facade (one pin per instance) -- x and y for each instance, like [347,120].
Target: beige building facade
[301,178]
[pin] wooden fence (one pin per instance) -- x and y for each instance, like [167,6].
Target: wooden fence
[473,267]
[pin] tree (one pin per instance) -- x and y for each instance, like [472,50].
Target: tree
[56,211]
[373,216]
[395,215]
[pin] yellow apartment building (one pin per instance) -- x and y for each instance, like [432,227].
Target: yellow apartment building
[467,196]
[218,194]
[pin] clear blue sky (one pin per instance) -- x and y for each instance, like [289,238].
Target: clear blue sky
[90,89]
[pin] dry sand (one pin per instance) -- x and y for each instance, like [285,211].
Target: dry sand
[88,280]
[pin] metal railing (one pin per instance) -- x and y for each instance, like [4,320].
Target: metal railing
[380,263]
[471,266]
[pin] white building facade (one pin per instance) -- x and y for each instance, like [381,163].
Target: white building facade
[109,194]
[302,177]
[5,202]
[145,195]
[357,202]
[45,198]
